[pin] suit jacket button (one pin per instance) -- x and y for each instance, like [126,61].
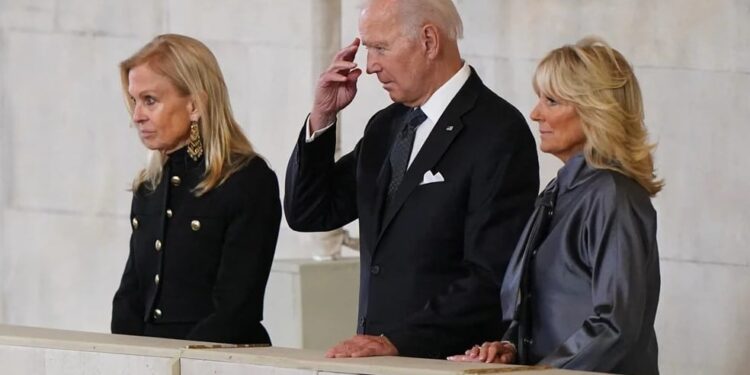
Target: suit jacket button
[362,321]
[135,223]
[157,314]
[156,279]
[176,180]
[375,270]
[157,245]
[169,213]
[195,225]
[528,341]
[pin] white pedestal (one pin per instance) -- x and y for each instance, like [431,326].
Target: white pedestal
[311,304]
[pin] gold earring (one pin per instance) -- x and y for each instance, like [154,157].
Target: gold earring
[195,144]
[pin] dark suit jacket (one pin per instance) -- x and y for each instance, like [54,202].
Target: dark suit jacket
[594,279]
[213,260]
[431,264]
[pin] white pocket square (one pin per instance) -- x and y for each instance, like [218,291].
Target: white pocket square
[430,178]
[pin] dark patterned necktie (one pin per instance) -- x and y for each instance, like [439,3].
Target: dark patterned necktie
[401,150]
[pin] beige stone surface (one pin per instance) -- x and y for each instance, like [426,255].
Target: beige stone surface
[69,352]
[200,367]
[28,14]
[703,212]
[266,22]
[54,279]
[72,362]
[141,18]
[38,351]
[704,310]
[91,341]
[312,359]
[70,144]
[670,33]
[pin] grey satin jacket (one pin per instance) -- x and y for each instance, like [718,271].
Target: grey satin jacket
[593,283]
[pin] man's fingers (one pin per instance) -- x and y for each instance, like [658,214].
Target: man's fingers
[354,74]
[363,346]
[474,351]
[331,353]
[483,351]
[332,77]
[347,53]
[344,351]
[337,77]
[462,358]
[506,358]
[341,66]
[342,348]
[351,50]
[364,352]
[491,353]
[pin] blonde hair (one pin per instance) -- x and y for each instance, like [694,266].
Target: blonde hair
[598,81]
[194,71]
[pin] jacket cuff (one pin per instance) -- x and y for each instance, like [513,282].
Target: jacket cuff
[319,150]
[410,345]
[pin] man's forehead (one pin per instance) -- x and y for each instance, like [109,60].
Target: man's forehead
[370,39]
[377,29]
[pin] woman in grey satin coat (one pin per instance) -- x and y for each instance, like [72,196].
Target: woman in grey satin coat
[582,288]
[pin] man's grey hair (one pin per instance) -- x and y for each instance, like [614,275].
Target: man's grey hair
[415,13]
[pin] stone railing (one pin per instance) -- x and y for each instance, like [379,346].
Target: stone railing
[36,351]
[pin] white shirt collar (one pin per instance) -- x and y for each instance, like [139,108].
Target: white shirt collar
[438,102]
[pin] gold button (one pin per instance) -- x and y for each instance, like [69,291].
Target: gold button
[169,213]
[157,245]
[156,279]
[135,223]
[195,225]
[157,314]
[176,180]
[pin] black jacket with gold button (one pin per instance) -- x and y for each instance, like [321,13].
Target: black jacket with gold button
[198,266]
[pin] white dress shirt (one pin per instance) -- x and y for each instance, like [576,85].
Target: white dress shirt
[433,108]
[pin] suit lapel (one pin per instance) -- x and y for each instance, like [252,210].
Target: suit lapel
[381,187]
[442,135]
[374,190]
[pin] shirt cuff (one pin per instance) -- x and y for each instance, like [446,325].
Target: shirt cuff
[311,137]
[512,345]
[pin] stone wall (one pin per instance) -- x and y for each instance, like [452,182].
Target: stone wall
[67,154]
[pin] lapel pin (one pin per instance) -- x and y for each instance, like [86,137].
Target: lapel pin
[450,128]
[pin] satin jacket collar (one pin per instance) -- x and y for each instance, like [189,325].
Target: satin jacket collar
[574,173]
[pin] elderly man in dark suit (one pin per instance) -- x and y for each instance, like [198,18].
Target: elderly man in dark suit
[442,182]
